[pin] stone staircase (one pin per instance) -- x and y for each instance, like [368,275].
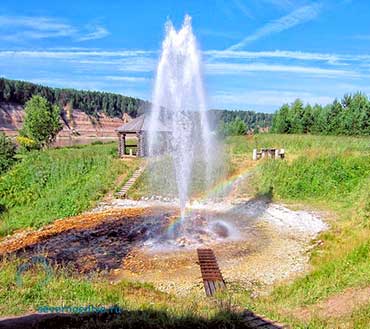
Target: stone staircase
[122,194]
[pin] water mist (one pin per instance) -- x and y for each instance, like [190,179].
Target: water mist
[179,104]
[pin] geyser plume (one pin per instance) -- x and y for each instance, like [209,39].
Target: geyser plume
[178,125]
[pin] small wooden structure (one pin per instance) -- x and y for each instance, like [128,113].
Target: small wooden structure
[211,274]
[136,129]
[268,153]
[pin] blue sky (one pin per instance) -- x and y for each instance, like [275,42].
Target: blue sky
[257,54]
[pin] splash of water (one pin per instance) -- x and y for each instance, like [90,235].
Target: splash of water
[178,125]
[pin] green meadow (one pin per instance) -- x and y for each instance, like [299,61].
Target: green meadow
[324,173]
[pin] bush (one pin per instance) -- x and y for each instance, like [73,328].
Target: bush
[233,128]
[7,153]
[26,143]
[41,123]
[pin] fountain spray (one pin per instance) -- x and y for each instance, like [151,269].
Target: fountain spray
[179,101]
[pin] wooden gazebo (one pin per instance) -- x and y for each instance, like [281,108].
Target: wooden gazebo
[137,128]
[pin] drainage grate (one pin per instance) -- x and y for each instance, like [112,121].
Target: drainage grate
[211,274]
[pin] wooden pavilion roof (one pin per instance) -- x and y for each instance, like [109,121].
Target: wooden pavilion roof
[140,124]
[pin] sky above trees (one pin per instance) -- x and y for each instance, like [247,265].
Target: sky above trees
[257,54]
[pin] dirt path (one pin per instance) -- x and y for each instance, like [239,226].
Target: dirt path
[120,180]
[336,306]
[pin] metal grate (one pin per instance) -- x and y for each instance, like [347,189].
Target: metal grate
[211,274]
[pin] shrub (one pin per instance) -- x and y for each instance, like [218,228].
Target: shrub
[7,153]
[233,128]
[26,143]
[41,123]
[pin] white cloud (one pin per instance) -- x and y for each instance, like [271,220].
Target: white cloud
[125,78]
[36,23]
[333,59]
[33,28]
[268,98]
[137,64]
[241,68]
[241,54]
[296,17]
[98,33]
[280,3]
[223,62]
[73,54]
[19,28]
[243,8]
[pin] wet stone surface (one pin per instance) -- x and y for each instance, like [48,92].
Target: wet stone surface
[99,248]
[109,244]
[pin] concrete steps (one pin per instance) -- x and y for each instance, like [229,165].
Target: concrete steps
[125,188]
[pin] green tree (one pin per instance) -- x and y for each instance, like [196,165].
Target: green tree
[320,124]
[308,119]
[335,116]
[355,116]
[296,117]
[7,153]
[233,128]
[41,122]
[281,122]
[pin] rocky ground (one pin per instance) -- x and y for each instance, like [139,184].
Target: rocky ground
[257,243]
[270,244]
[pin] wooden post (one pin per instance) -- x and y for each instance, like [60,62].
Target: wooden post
[143,147]
[124,144]
[140,149]
[254,154]
[121,145]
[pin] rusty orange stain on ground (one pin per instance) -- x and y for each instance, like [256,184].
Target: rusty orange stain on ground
[84,221]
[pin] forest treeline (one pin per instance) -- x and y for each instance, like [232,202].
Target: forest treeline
[251,119]
[90,102]
[349,116]
[114,105]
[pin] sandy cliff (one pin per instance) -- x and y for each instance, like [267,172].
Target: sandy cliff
[78,127]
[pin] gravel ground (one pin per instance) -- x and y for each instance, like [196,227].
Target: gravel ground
[272,245]
[257,243]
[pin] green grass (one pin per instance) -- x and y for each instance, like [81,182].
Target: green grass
[47,185]
[299,144]
[159,178]
[144,305]
[329,278]
[320,172]
[333,177]
[332,174]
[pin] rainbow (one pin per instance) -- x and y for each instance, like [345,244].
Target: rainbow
[226,185]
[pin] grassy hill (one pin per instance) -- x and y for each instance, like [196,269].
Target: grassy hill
[47,185]
[331,174]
